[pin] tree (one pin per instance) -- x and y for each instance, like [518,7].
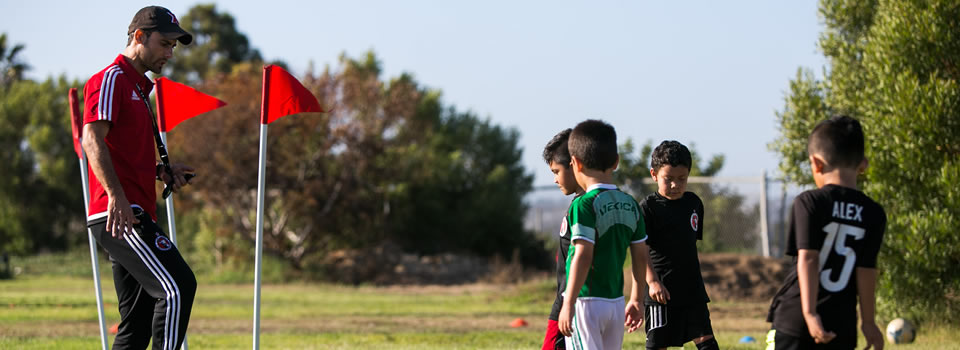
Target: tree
[11,68]
[389,163]
[894,65]
[217,46]
[40,196]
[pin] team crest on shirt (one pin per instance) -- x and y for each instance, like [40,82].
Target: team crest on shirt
[563,227]
[163,243]
[695,221]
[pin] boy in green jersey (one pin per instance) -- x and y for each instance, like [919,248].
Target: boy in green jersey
[603,223]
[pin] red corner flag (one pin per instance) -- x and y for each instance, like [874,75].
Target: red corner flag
[283,95]
[76,120]
[177,102]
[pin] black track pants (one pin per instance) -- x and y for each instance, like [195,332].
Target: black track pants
[155,287]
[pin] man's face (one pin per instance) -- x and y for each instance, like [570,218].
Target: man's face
[563,177]
[671,180]
[156,51]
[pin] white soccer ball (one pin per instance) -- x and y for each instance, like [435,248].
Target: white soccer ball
[900,331]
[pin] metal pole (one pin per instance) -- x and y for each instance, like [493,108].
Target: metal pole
[261,179]
[171,222]
[764,231]
[172,228]
[95,264]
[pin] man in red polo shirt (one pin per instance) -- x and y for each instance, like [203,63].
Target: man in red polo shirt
[155,286]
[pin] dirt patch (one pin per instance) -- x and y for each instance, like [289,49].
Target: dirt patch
[742,277]
[386,264]
[726,276]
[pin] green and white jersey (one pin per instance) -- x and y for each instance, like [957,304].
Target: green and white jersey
[611,220]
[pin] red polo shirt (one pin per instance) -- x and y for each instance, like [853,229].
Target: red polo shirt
[110,95]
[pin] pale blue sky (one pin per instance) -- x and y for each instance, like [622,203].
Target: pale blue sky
[710,73]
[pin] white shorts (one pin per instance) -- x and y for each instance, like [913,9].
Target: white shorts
[597,324]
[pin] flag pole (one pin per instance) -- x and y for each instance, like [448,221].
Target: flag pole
[85,184]
[261,184]
[95,264]
[172,228]
[171,221]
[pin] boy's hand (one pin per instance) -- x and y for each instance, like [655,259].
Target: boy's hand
[815,327]
[873,335]
[634,316]
[658,292]
[564,322]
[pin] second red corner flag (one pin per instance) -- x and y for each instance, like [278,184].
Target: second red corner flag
[178,102]
[283,95]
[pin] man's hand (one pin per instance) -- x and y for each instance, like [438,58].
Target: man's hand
[565,321]
[179,181]
[120,217]
[815,327]
[658,292]
[634,316]
[873,335]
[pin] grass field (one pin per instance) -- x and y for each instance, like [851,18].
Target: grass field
[59,312]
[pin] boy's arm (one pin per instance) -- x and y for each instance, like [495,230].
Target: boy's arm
[866,288]
[658,292]
[808,274]
[638,258]
[576,277]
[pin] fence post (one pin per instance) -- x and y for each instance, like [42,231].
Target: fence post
[764,231]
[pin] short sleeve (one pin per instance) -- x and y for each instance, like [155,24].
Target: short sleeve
[583,221]
[803,236]
[702,219]
[648,218]
[874,239]
[102,97]
[640,234]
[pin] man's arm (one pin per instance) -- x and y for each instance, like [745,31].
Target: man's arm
[866,289]
[639,257]
[808,274]
[120,217]
[576,277]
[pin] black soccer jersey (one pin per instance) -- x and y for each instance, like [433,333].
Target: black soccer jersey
[847,228]
[673,228]
[561,267]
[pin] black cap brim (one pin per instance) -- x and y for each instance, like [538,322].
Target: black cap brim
[175,32]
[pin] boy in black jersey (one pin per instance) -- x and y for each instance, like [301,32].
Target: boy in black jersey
[835,236]
[557,156]
[676,305]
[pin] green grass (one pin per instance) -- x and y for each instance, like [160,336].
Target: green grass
[58,311]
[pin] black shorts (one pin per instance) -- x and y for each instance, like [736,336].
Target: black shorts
[668,326]
[783,341]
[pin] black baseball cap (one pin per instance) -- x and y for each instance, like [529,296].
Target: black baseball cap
[161,20]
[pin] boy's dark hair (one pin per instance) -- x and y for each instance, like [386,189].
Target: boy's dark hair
[839,140]
[594,143]
[556,150]
[671,153]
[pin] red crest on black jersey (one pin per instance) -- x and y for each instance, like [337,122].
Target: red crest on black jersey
[695,221]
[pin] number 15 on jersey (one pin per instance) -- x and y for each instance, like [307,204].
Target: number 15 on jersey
[836,241]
